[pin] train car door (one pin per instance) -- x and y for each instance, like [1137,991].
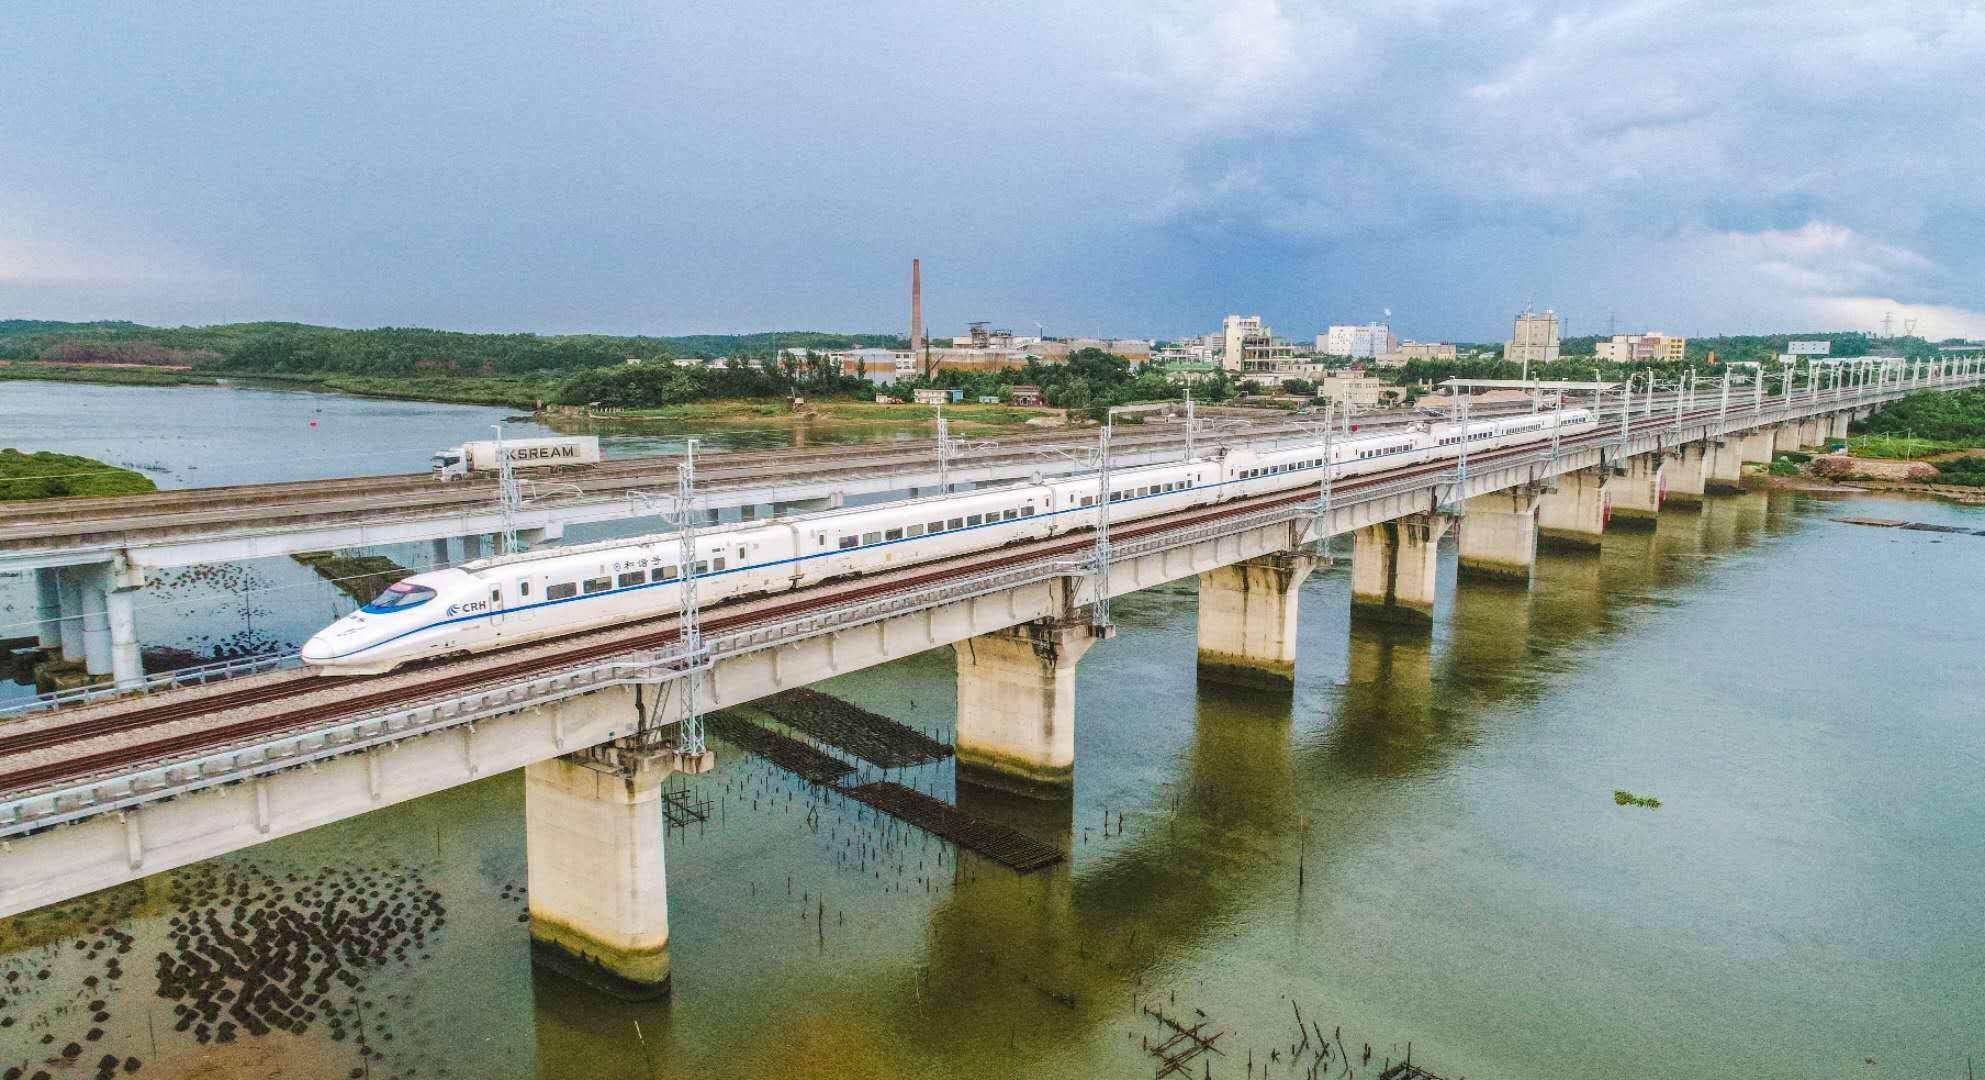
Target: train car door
[495,605]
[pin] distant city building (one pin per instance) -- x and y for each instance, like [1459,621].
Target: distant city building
[1651,347]
[1351,386]
[1024,394]
[1415,350]
[1362,342]
[937,396]
[1248,345]
[879,366]
[1534,339]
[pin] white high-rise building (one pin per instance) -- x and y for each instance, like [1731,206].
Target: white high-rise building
[1534,340]
[1370,340]
[1240,331]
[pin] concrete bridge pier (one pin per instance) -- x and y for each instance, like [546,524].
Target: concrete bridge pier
[1837,425]
[48,607]
[1499,535]
[825,502]
[69,585]
[1637,493]
[472,547]
[1016,707]
[1755,447]
[1687,475]
[598,887]
[1723,465]
[1787,436]
[1247,620]
[439,549]
[1575,514]
[1393,569]
[96,619]
[121,584]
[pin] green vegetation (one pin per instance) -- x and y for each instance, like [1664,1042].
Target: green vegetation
[1898,447]
[46,475]
[1784,466]
[360,577]
[1954,417]
[117,376]
[1088,382]
[1968,471]
[1622,797]
[649,385]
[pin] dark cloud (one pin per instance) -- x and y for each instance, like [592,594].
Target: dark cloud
[1116,167]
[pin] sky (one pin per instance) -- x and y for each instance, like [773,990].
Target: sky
[1117,167]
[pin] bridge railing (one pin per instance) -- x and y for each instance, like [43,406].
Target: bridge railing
[164,680]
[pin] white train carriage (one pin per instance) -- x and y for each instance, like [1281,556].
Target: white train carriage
[519,598]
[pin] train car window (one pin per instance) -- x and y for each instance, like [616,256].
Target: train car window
[916,530]
[936,527]
[893,534]
[523,588]
[1027,510]
[955,523]
[1012,515]
[699,568]
[1088,500]
[974,519]
[633,577]
[717,563]
[598,584]
[561,590]
[661,573]
[399,597]
[849,541]
[872,537]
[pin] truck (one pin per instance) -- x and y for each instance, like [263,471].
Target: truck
[471,458]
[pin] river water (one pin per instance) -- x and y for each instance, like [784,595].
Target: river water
[1420,844]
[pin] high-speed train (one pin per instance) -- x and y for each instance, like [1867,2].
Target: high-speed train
[510,599]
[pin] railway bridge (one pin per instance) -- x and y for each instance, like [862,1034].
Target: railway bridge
[114,791]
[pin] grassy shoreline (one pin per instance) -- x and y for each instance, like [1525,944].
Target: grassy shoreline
[48,475]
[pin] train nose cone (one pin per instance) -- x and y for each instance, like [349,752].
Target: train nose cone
[317,650]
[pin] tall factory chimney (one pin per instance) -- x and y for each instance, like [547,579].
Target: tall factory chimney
[916,305]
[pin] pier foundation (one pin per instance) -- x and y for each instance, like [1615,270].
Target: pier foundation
[1016,707]
[1393,567]
[1575,514]
[1755,448]
[1638,492]
[598,886]
[1247,620]
[1499,535]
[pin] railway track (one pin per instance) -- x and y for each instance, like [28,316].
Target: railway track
[300,719]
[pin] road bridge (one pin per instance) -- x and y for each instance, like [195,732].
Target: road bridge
[121,790]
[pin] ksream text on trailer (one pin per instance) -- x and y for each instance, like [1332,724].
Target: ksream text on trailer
[480,456]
